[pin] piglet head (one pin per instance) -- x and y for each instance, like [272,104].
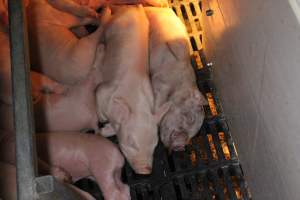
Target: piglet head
[137,133]
[183,120]
[177,140]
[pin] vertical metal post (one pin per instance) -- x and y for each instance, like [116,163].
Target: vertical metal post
[22,104]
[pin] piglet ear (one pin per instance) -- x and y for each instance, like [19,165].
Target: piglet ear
[161,111]
[199,97]
[120,109]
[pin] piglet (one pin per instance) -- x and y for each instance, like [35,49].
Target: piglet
[70,156]
[6,116]
[5,69]
[40,83]
[73,110]
[3,15]
[8,171]
[61,109]
[125,97]
[55,50]
[57,107]
[173,78]
[85,155]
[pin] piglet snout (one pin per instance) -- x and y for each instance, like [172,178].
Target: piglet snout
[142,169]
[178,141]
[178,148]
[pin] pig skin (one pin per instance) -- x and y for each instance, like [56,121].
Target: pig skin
[5,70]
[55,50]
[79,8]
[84,155]
[66,59]
[68,111]
[7,155]
[57,107]
[40,83]
[173,78]
[80,156]
[8,173]
[73,110]
[3,16]
[6,115]
[86,8]
[125,98]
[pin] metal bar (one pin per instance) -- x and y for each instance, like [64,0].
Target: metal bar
[22,104]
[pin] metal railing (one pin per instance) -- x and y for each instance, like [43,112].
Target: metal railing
[29,186]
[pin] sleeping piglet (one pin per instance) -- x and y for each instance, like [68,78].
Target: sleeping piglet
[5,69]
[57,107]
[125,98]
[74,110]
[8,170]
[40,83]
[84,155]
[55,50]
[173,78]
[72,155]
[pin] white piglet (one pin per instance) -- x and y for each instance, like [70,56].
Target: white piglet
[125,98]
[55,51]
[173,79]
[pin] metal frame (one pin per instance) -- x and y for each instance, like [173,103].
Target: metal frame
[22,107]
[29,186]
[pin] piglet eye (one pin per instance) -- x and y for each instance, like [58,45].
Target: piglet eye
[191,119]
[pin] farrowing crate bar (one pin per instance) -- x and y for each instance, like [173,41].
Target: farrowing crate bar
[29,186]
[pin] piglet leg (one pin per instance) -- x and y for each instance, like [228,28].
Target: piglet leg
[110,182]
[41,83]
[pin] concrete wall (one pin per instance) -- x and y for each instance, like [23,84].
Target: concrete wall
[255,48]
